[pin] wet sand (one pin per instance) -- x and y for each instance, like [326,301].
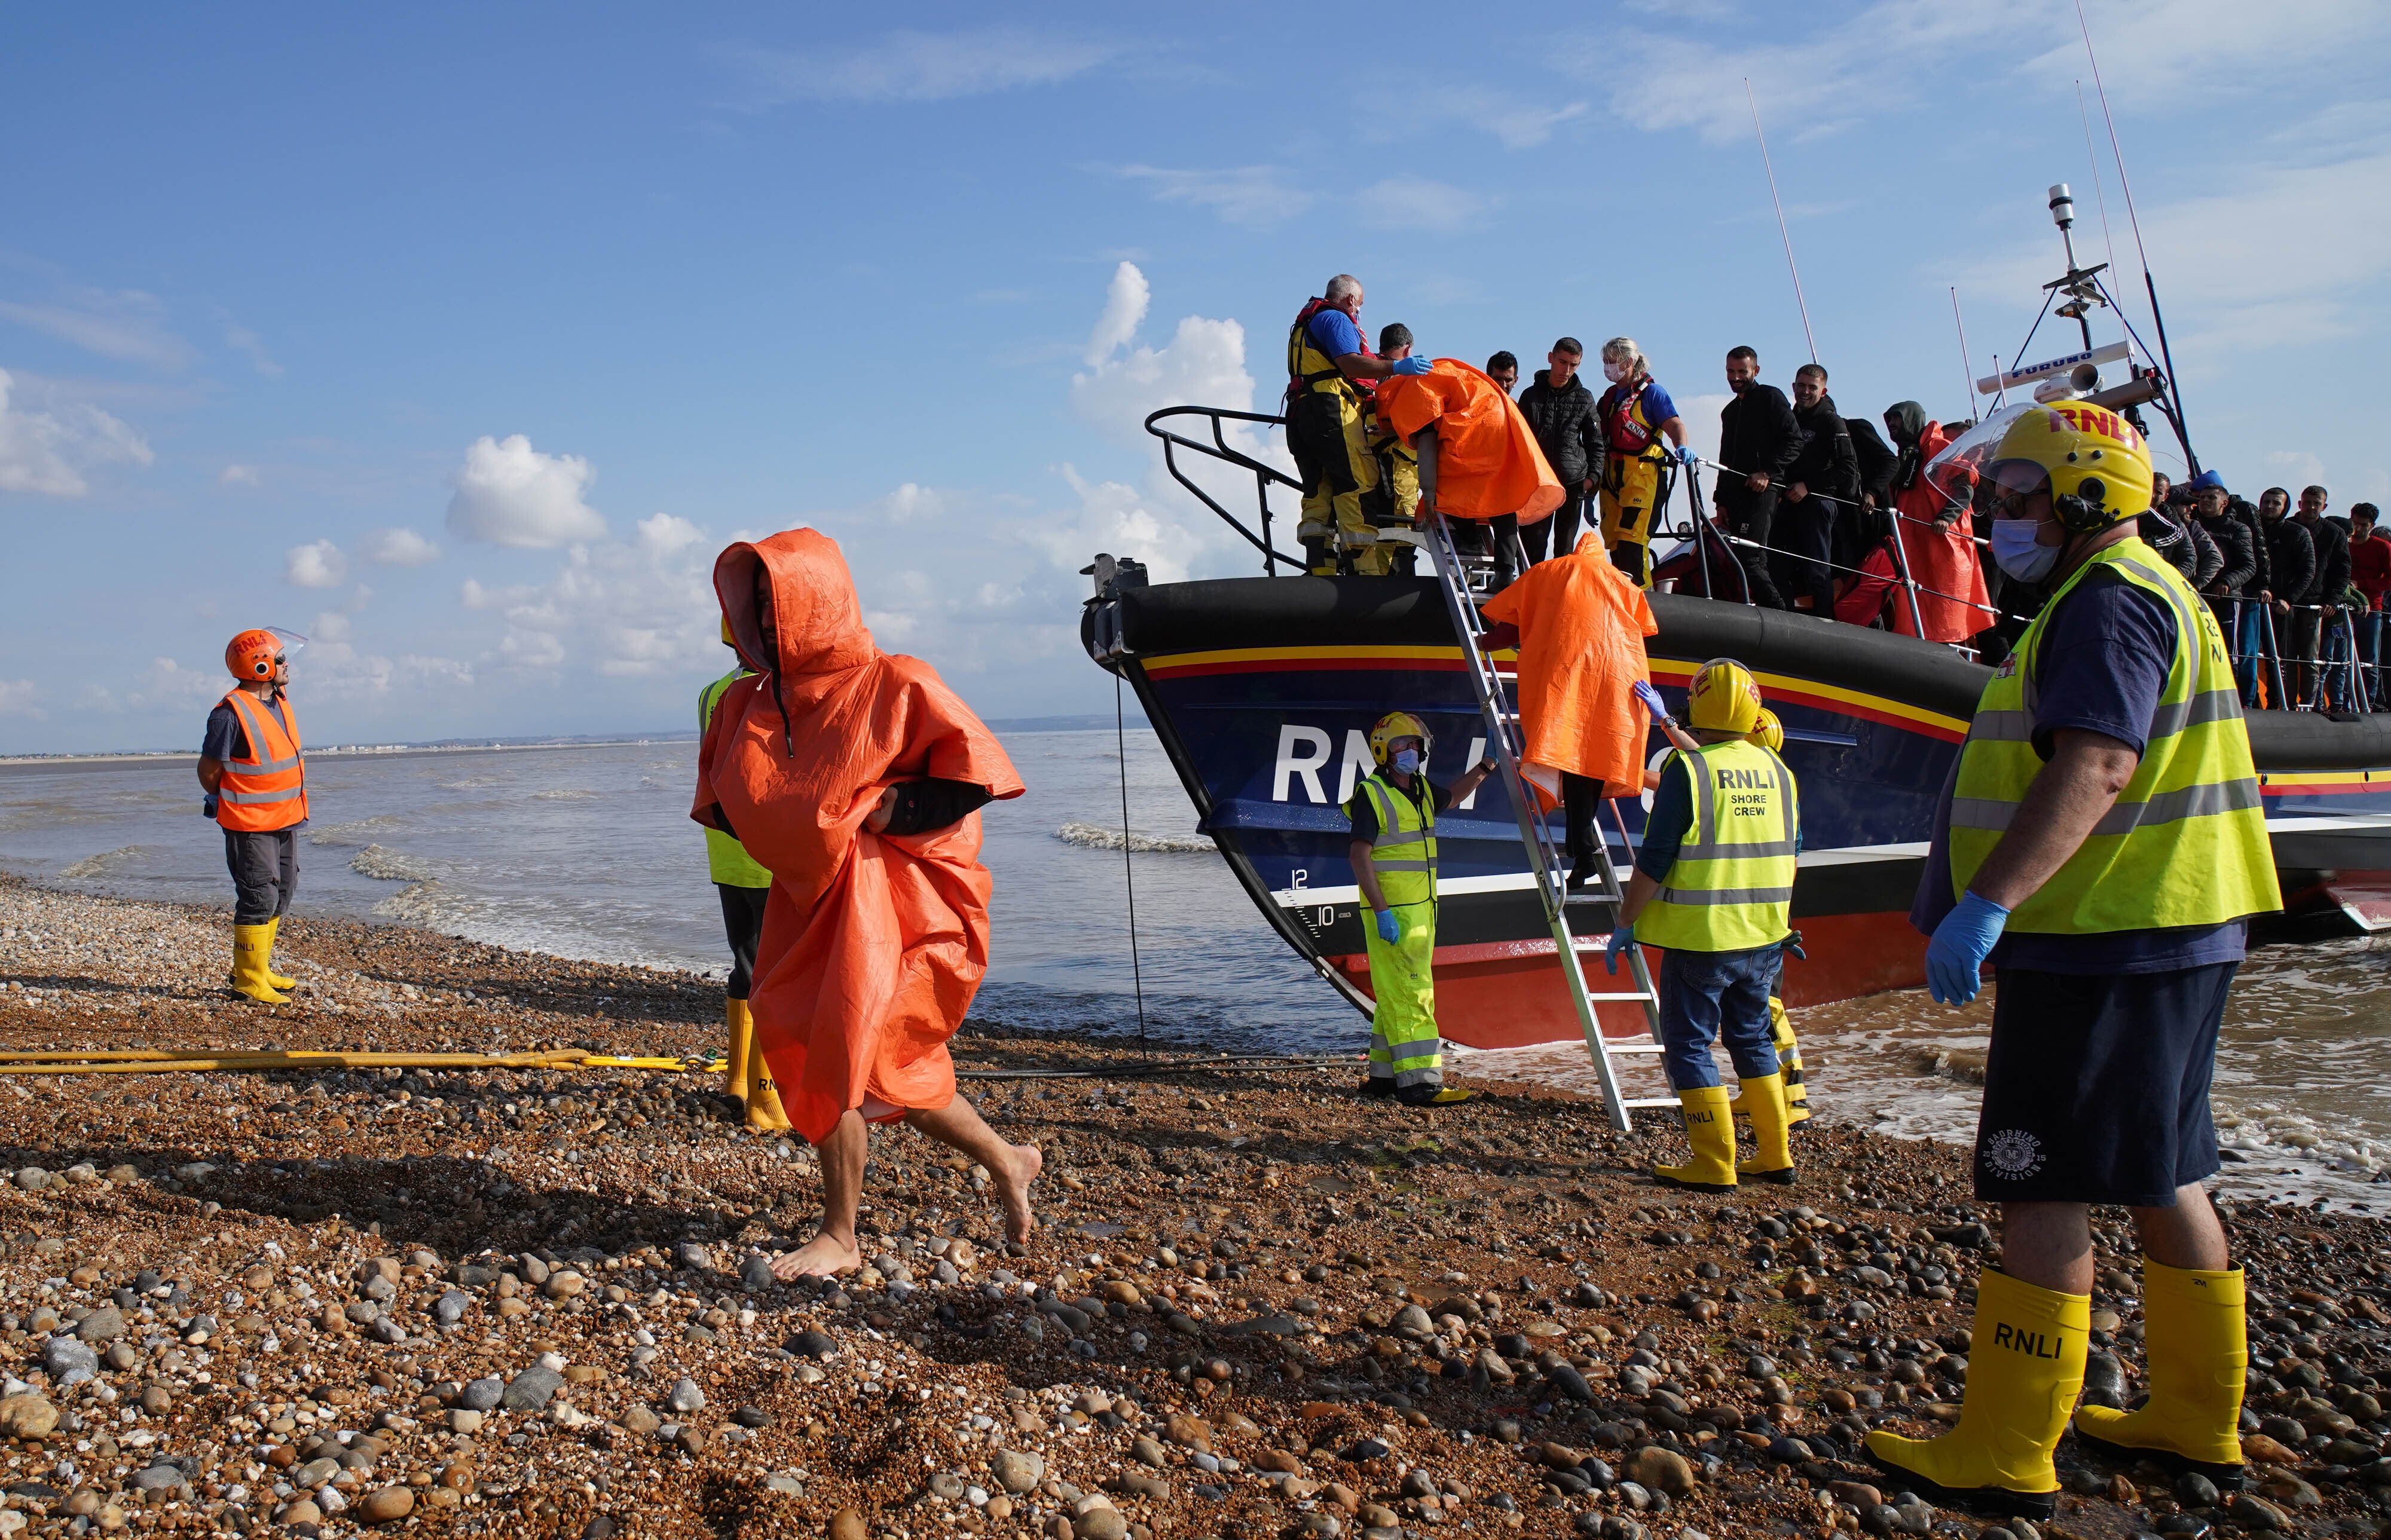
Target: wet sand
[529,1302]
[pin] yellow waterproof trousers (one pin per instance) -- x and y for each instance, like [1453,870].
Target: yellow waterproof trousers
[1332,459]
[1628,515]
[1404,1044]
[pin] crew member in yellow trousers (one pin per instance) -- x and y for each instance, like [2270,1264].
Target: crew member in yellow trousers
[1394,853]
[743,886]
[1714,888]
[255,778]
[2102,842]
[1769,734]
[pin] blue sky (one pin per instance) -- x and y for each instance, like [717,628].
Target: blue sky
[461,339]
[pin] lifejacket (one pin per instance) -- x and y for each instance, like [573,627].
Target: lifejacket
[1625,430]
[726,860]
[1402,856]
[1731,887]
[1309,370]
[268,789]
[2186,841]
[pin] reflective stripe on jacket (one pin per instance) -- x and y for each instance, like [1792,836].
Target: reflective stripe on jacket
[2186,843]
[1402,856]
[268,789]
[1732,886]
[726,859]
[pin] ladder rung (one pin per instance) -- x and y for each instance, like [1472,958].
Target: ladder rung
[1652,1101]
[1632,1047]
[1638,995]
[1582,897]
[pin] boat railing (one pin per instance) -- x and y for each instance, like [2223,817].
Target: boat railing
[1220,449]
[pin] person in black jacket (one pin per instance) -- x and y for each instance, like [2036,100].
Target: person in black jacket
[1821,491]
[1559,410]
[2325,590]
[2237,563]
[1855,536]
[2291,553]
[1758,442]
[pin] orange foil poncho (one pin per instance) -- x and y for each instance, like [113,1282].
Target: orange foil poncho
[872,943]
[1582,627]
[1488,463]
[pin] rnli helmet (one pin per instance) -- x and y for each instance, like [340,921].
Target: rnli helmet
[726,633]
[2096,466]
[1767,732]
[1395,725]
[251,654]
[1724,697]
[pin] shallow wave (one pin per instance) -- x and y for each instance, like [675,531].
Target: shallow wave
[426,904]
[391,866]
[100,865]
[362,832]
[565,794]
[1097,837]
[471,783]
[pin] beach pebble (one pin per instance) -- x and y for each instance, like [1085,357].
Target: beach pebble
[755,1272]
[685,1396]
[481,1395]
[68,1362]
[530,1390]
[385,1504]
[27,1416]
[1017,1472]
[32,1179]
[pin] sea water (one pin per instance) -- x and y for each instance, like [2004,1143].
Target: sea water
[587,851]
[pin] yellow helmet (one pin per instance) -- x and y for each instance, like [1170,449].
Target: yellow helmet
[1767,732]
[726,633]
[1724,697]
[2096,465]
[1395,725]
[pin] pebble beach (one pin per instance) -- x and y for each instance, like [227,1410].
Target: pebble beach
[532,1300]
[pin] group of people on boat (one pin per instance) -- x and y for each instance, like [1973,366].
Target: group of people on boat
[1810,511]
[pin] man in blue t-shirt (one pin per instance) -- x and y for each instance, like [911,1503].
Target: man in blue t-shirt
[1328,366]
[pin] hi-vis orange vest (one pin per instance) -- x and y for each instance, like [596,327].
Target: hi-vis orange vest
[268,789]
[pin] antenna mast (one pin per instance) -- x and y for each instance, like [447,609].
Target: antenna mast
[1781,228]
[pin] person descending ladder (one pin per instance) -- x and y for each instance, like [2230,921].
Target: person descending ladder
[1603,893]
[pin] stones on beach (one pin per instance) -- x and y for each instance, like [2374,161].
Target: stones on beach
[481,1395]
[685,1396]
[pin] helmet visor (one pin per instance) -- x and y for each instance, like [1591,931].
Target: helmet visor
[1965,461]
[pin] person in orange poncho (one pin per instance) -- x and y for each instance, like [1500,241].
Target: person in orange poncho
[1482,459]
[1579,624]
[855,776]
[1937,541]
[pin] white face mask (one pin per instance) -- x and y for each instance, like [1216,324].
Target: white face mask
[1613,372]
[2018,550]
[1407,761]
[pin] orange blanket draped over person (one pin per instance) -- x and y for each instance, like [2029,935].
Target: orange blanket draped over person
[1952,601]
[872,945]
[1488,463]
[1582,625]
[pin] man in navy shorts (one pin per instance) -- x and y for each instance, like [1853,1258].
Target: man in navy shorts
[2101,840]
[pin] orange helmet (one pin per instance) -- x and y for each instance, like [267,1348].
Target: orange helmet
[251,654]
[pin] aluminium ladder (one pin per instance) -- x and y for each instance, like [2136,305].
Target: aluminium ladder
[1535,837]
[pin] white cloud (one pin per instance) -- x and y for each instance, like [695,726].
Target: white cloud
[912,503]
[317,564]
[17,698]
[509,493]
[240,476]
[166,684]
[1242,195]
[49,451]
[252,347]
[1518,124]
[398,547]
[1125,305]
[1417,203]
[923,67]
[126,324]
[638,609]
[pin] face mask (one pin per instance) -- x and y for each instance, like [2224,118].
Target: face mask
[1407,762]
[1613,372]
[2017,552]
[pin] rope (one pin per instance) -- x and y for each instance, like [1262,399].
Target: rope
[1128,864]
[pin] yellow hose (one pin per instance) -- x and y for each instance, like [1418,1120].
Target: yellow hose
[103,1062]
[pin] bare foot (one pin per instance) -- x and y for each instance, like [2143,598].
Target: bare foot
[1012,1186]
[824,1256]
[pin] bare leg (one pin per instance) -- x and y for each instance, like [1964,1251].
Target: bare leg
[959,1125]
[2050,1245]
[832,1250]
[2187,1236]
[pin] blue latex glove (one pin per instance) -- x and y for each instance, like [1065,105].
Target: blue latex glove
[1960,946]
[1388,931]
[1622,938]
[1415,365]
[1651,699]
[1688,456]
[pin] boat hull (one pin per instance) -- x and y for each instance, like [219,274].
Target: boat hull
[1264,692]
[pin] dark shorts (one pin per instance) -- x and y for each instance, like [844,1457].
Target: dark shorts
[2096,1088]
[742,924]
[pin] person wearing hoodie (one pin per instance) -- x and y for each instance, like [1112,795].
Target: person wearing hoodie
[1822,489]
[1560,410]
[2292,557]
[1855,537]
[1758,442]
[1937,537]
[854,777]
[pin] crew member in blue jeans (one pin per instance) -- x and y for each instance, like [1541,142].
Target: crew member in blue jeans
[1714,888]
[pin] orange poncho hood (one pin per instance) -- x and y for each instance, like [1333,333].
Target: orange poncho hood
[1487,461]
[1582,627]
[874,943]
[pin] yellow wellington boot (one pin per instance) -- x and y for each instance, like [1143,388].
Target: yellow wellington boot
[755,1087]
[741,1029]
[1764,1103]
[250,945]
[2023,1376]
[1788,1063]
[274,933]
[1710,1128]
[2199,1349]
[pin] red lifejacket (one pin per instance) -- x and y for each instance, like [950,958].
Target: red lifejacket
[1299,341]
[1623,427]
[267,790]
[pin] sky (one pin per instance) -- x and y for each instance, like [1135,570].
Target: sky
[460,339]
